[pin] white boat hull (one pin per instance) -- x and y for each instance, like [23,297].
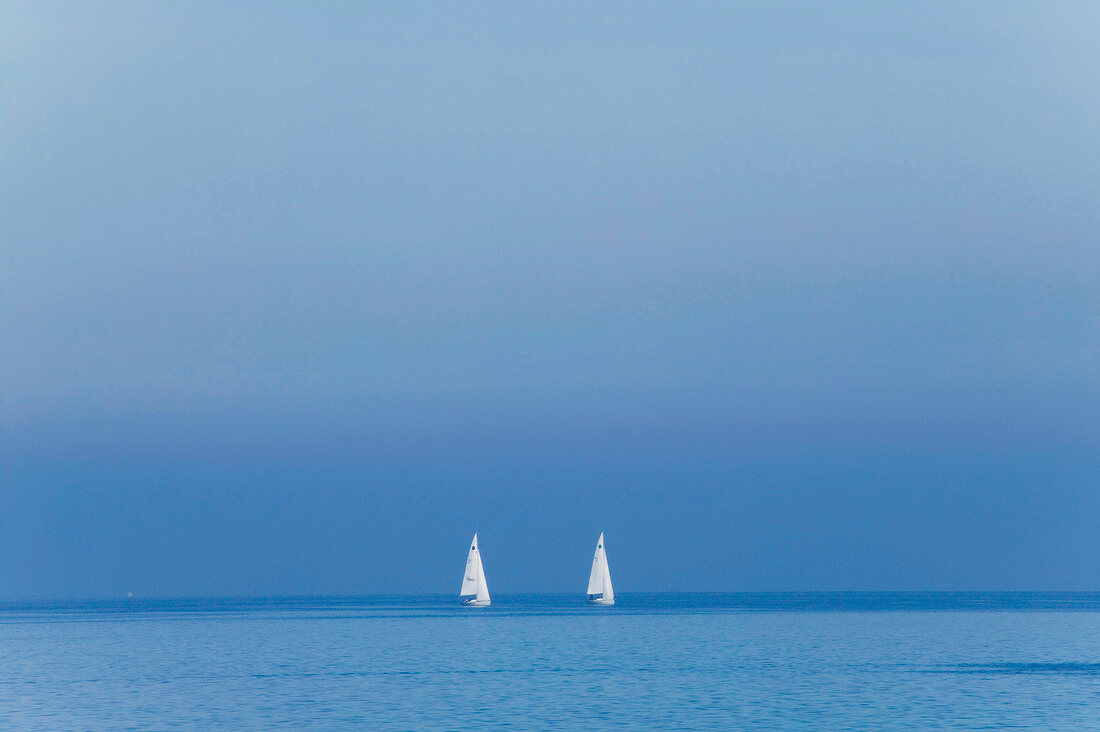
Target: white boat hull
[474,602]
[600,601]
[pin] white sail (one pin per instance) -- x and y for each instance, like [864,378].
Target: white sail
[473,580]
[608,590]
[595,578]
[473,567]
[482,585]
[599,580]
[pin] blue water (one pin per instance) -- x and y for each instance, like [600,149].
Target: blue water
[676,661]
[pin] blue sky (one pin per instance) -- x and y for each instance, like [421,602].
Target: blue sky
[780,296]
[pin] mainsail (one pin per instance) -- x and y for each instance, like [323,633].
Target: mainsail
[599,581]
[473,581]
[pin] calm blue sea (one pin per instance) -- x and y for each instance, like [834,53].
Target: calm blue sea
[668,661]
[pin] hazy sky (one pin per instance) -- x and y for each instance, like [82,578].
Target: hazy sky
[295,298]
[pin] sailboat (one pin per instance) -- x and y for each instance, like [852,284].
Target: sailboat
[474,592]
[600,591]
